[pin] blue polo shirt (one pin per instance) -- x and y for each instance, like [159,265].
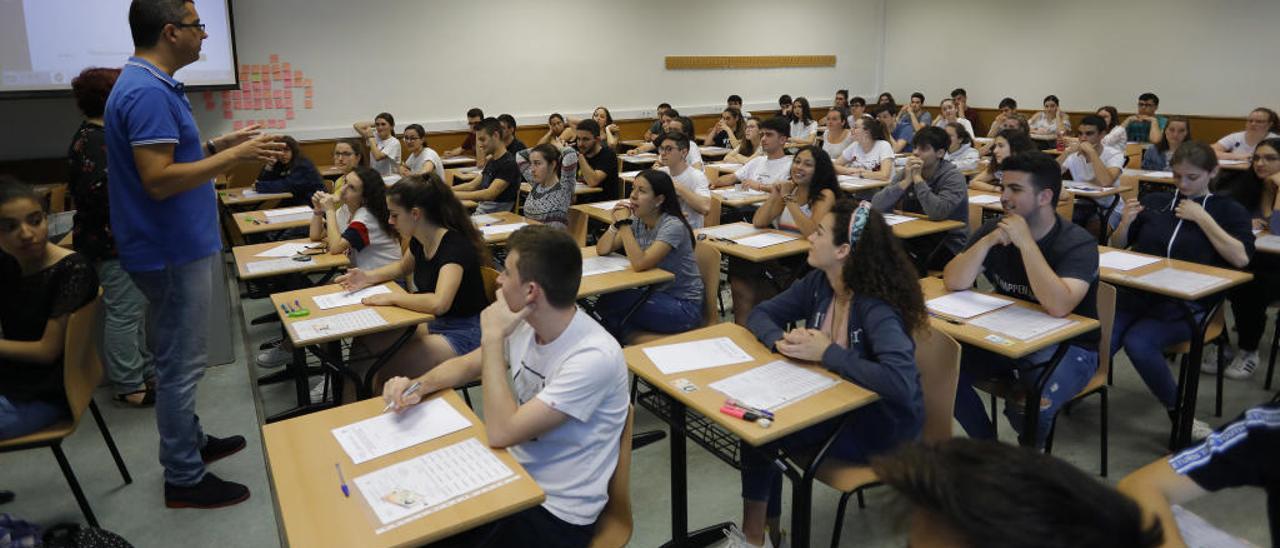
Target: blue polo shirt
[148,107]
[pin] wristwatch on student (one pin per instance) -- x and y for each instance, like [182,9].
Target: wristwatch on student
[617,225]
[208,145]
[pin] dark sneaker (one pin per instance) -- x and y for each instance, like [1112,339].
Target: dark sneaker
[217,448]
[210,492]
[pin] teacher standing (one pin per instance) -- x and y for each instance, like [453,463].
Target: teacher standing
[165,220]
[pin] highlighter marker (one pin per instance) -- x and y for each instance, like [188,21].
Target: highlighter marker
[740,413]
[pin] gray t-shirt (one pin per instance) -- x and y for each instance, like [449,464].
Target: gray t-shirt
[679,261]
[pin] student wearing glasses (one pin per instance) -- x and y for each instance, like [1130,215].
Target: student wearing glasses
[1146,126]
[468,147]
[1263,123]
[347,155]
[422,158]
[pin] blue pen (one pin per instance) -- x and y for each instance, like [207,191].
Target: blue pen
[346,491]
[285,308]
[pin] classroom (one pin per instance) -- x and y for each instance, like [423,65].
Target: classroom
[846,273]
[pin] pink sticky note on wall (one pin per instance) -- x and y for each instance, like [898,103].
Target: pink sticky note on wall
[288,114]
[275,57]
[237,125]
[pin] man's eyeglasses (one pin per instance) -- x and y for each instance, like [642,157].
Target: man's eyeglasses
[200,26]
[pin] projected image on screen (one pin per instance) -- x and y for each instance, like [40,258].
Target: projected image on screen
[46,43]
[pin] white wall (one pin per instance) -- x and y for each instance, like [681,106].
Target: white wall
[1210,58]
[427,62]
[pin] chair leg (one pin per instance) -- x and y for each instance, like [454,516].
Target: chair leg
[75,484]
[1048,440]
[1102,427]
[1111,377]
[844,503]
[111,442]
[995,412]
[1222,354]
[862,503]
[466,395]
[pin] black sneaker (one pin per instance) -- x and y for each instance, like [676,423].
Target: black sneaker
[217,448]
[210,492]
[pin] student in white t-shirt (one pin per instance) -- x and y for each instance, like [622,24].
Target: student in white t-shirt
[555,391]
[1088,161]
[421,157]
[838,136]
[951,115]
[384,148]
[683,125]
[804,129]
[870,156]
[690,183]
[772,166]
[1263,123]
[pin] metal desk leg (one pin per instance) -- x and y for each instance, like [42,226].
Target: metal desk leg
[1189,376]
[802,488]
[680,534]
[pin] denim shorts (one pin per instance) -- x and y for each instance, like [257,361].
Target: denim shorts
[463,333]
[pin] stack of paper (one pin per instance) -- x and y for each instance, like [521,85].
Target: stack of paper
[712,151]
[260,267]
[981,199]
[895,219]
[493,230]
[766,239]
[607,206]
[284,250]
[1119,260]
[1269,243]
[390,432]
[690,356]
[729,231]
[592,266]
[628,175]
[1159,174]
[724,166]
[773,385]
[287,214]
[1182,280]
[482,220]
[431,479]
[966,304]
[248,193]
[337,324]
[344,298]
[1021,323]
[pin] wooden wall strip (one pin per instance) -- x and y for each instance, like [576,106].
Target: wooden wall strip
[714,62]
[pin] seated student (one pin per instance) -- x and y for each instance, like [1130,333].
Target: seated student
[1089,162]
[1263,123]
[664,125]
[749,146]
[771,165]
[656,128]
[728,129]
[444,258]
[784,106]
[886,99]
[1146,126]
[468,147]
[885,115]
[1193,225]
[292,173]
[1008,107]
[1050,124]
[972,493]
[795,205]
[508,123]
[384,148]
[960,151]
[552,174]
[963,110]
[352,222]
[1242,453]
[861,307]
[422,158]
[838,137]
[1031,254]
[1255,190]
[691,183]
[913,118]
[555,392]
[841,100]
[950,114]
[735,101]
[496,187]
[348,154]
[1114,135]
[653,232]
[556,129]
[1156,157]
[597,163]
[1006,143]
[684,126]
[608,129]
[870,156]
[44,284]
[933,186]
[857,109]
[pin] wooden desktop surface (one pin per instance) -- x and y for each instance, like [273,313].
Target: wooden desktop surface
[832,402]
[1129,278]
[301,453]
[1010,347]
[504,218]
[395,316]
[618,281]
[236,197]
[255,222]
[245,254]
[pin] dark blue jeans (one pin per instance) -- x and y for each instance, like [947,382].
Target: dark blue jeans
[22,417]
[1144,328]
[659,313]
[1071,375]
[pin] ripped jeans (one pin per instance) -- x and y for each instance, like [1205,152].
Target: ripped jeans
[976,364]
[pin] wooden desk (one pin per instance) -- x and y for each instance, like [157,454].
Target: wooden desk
[579,189]
[597,213]
[642,159]
[246,254]
[723,167]
[330,172]
[922,226]
[458,161]
[791,248]
[1188,377]
[702,408]
[255,222]
[610,282]
[504,218]
[301,453]
[249,197]
[1234,165]
[714,152]
[730,197]
[851,184]
[1265,243]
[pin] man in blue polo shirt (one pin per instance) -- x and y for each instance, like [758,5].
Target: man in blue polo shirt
[165,222]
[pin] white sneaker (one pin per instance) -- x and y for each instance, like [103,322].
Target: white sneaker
[1200,430]
[1209,361]
[318,392]
[1242,367]
[733,538]
[276,356]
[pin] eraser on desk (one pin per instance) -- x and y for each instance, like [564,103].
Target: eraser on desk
[997,339]
[685,385]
